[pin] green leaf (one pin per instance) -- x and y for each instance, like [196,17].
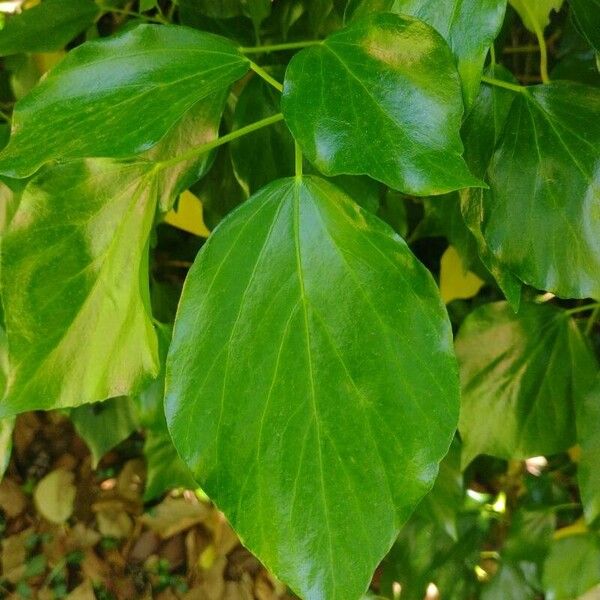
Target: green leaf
[541,216]
[150,76]
[253,169]
[284,399]
[521,375]
[586,14]
[164,468]
[105,424]
[509,583]
[481,132]
[74,263]
[469,27]
[536,13]
[400,118]
[75,272]
[572,567]
[588,437]
[49,25]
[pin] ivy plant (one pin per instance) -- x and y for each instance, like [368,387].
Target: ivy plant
[223,223]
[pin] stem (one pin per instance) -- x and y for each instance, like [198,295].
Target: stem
[298,160]
[578,309]
[278,47]
[6,117]
[504,84]
[592,320]
[493,55]
[197,150]
[262,73]
[539,34]
[566,506]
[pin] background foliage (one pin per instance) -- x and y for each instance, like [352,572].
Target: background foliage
[336,262]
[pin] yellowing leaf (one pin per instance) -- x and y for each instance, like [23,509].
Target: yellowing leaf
[188,216]
[536,9]
[455,281]
[45,61]
[576,528]
[54,496]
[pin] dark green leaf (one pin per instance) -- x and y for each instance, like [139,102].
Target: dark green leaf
[401,111]
[521,375]
[267,363]
[105,424]
[541,217]
[150,75]
[268,153]
[588,436]
[481,131]
[49,25]
[164,469]
[469,27]
[572,567]
[587,16]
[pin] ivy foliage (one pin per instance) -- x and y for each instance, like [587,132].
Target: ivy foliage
[225,223]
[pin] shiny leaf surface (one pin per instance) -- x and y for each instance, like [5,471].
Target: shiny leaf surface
[400,118]
[542,215]
[99,88]
[469,27]
[521,375]
[277,391]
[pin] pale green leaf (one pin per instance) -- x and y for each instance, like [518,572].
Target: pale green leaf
[536,13]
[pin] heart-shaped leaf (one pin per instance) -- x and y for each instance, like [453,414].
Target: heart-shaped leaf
[381,98]
[311,353]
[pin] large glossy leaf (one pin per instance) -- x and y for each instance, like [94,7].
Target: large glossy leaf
[541,217]
[105,424]
[588,437]
[469,27]
[311,353]
[74,272]
[47,26]
[587,17]
[381,98]
[150,76]
[521,375]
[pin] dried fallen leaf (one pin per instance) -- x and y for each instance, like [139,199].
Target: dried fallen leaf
[14,554]
[12,499]
[54,496]
[174,515]
[85,591]
[114,523]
